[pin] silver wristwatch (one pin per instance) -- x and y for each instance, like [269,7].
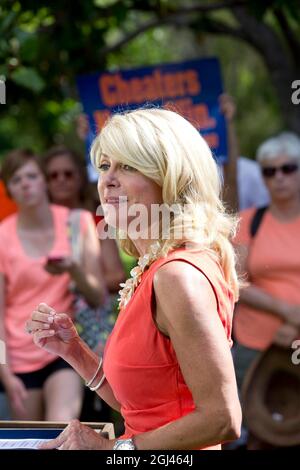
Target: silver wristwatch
[124,444]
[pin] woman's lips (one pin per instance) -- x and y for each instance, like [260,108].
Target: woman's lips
[115,200]
[27,195]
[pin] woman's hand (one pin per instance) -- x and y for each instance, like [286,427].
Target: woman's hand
[227,107]
[82,126]
[54,332]
[17,395]
[60,265]
[77,436]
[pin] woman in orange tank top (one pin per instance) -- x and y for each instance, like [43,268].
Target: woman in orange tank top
[167,365]
[269,308]
[36,261]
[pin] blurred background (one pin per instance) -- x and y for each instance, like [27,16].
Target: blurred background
[45,45]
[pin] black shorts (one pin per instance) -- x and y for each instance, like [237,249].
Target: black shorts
[37,378]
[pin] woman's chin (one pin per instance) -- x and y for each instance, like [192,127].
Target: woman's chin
[29,203]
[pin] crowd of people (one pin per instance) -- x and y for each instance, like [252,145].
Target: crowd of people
[237,284]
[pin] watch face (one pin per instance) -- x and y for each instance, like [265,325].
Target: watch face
[125,444]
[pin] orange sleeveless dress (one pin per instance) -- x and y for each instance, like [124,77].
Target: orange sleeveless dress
[140,363]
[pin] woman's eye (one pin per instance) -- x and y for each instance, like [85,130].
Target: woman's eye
[103,167]
[128,168]
[32,176]
[15,180]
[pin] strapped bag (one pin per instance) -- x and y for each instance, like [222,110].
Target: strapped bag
[93,324]
[256,220]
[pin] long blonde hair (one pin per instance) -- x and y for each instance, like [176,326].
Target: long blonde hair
[166,148]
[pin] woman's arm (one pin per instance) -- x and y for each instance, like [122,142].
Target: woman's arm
[14,386]
[191,321]
[5,372]
[56,333]
[89,277]
[261,300]
[85,362]
[230,192]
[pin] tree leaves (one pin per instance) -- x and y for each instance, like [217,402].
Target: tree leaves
[29,46]
[45,45]
[28,77]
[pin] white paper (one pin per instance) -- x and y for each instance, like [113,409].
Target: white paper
[21,443]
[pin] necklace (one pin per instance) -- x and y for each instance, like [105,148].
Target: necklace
[131,284]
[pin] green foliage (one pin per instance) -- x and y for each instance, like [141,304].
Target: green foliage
[128,262]
[45,45]
[247,80]
[28,77]
[259,8]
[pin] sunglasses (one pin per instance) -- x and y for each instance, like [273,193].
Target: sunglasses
[286,169]
[67,174]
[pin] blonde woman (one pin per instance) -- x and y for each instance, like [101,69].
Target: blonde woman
[167,365]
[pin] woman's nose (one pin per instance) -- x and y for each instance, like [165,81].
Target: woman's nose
[109,178]
[25,182]
[279,175]
[61,178]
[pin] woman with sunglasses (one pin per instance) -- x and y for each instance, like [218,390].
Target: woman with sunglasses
[35,261]
[269,306]
[68,186]
[67,179]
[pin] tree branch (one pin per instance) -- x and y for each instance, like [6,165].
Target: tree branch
[165,10]
[292,41]
[262,37]
[177,17]
[217,27]
[279,63]
[128,37]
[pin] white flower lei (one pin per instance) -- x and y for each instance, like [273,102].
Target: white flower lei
[131,284]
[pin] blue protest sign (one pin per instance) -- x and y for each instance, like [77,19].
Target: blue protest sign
[191,88]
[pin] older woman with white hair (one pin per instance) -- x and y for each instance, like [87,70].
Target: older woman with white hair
[167,364]
[267,244]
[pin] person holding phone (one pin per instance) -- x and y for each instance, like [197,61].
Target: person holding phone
[35,261]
